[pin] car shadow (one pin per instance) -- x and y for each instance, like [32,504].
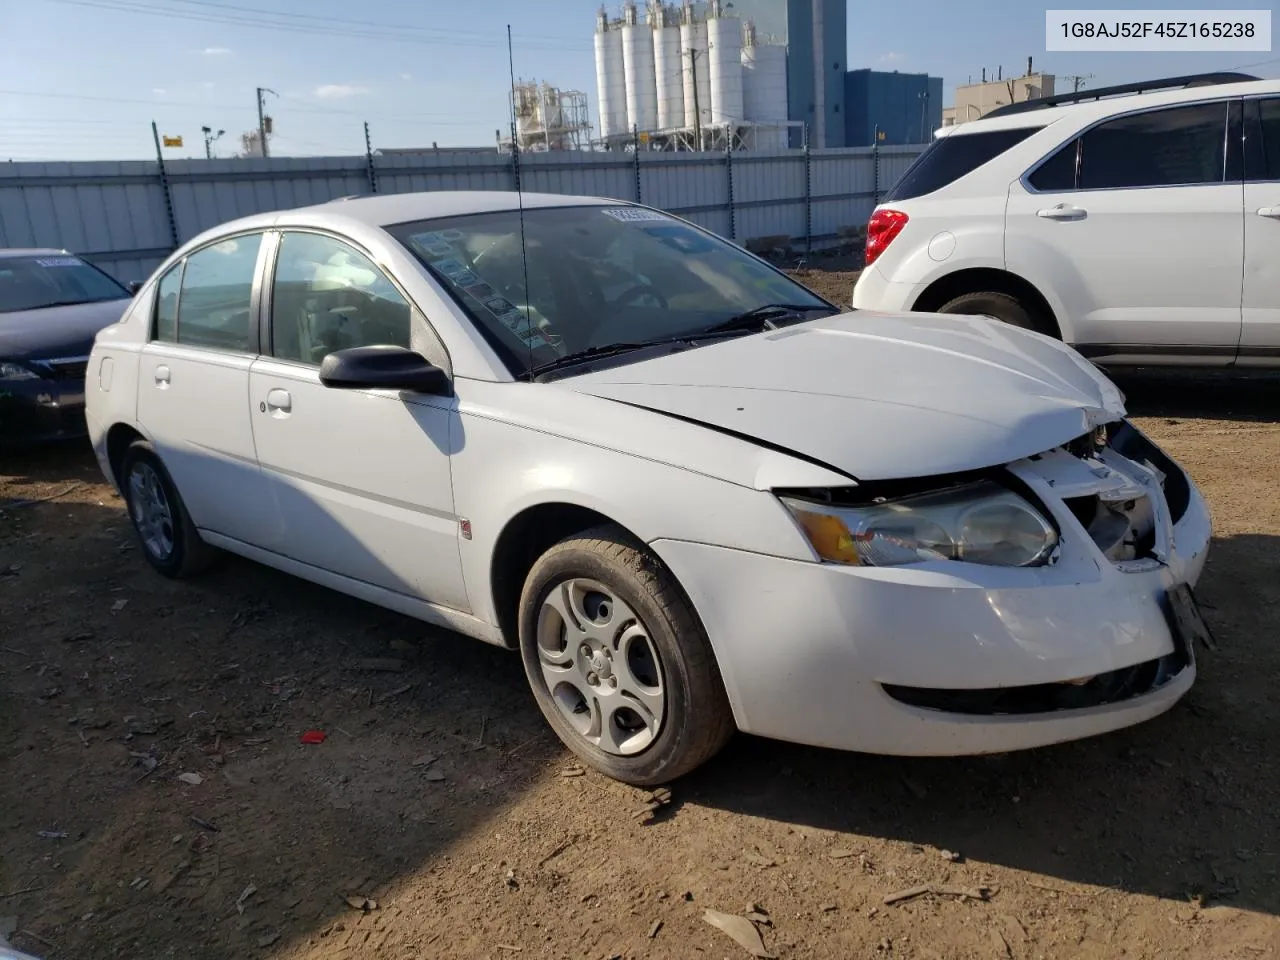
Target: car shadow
[1200,396]
[1182,806]
[116,682]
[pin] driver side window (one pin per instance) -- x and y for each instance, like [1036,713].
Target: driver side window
[328,296]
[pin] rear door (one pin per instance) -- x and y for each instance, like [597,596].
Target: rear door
[1260,337]
[1138,229]
[193,386]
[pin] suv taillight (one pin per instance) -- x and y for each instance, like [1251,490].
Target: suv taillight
[883,226]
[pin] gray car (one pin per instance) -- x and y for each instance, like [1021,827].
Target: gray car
[52,304]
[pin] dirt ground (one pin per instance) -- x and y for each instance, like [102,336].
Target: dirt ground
[440,794]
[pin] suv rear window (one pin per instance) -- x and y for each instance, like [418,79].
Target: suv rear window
[950,158]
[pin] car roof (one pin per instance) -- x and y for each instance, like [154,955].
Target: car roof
[11,252]
[1086,111]
[389,209]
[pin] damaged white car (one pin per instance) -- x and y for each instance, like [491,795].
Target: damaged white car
[694,496]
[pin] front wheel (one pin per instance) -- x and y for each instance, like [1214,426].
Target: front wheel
[1002,306]
[618,661]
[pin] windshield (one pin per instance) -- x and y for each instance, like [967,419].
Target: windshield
[597,276]
[31,283]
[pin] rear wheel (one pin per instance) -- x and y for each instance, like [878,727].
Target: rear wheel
[1002,306]
[170,541]
[618,661]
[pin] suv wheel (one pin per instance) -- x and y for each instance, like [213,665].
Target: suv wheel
[1002,306]
[618,661]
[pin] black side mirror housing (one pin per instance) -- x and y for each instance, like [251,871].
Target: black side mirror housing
[133,286]
[383,367]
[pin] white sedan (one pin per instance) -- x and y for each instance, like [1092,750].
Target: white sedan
[695,496]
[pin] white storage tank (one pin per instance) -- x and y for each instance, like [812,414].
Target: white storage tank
[695,69]
[611,85]
[764,89]
[724,50]
[666,60]
[641,78]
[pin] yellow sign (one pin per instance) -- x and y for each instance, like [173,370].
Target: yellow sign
[173,141]
[644,138]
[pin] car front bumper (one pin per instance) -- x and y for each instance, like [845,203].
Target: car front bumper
[820,653]
[39,411]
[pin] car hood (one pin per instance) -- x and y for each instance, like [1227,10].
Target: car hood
[56,331]
[878,396]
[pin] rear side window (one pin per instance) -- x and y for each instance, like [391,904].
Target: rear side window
[217,286]
[1058,172]
[1262,140]
[1161,148]
[167,305]
[950,158]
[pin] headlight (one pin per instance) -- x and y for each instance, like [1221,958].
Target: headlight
[977,523]
[15,371]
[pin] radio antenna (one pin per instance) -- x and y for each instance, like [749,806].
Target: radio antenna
[515,168]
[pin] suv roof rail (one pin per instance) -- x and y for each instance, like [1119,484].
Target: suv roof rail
[1145,86]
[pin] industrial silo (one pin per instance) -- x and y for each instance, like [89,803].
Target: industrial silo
[641,78]
[611,86]
[666,60]
[695,69]
[724,50]
[764,89]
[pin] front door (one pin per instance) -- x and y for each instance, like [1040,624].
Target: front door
[193,387]
[1260,338]
[361,478]
[1136,228]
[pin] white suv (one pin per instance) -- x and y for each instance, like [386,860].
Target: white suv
[1142,227]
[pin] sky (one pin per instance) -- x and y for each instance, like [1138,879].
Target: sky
[84,79]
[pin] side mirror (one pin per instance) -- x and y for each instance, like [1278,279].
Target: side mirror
[383,367]
[133,286]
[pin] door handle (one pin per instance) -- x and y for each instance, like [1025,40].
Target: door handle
[162,375]
[1063,211]
[1272,212]
[279,401]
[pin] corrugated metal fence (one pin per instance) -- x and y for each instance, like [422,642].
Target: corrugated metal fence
[126,216]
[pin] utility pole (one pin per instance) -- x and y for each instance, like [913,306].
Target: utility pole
[697,110]
[264,121]
[209,137]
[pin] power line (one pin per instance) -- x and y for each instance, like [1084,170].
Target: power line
[295,27]
[1260,63]
[157,105]
[377,24]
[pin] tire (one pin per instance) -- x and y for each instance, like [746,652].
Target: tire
[169,539]
[657,705]
[1002,306]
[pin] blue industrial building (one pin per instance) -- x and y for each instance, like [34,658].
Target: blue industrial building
[904,107]
[816,35]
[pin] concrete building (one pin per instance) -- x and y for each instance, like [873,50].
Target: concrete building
[667,54]
[904,107]
[974,100]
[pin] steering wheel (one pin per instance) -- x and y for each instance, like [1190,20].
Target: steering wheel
[639,290]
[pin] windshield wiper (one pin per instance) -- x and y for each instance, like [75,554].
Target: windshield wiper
[591,353]
[613,349]
[761,317]
[739,324]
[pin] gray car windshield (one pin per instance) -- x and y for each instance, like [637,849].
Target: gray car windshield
[601,279]
[53,280]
